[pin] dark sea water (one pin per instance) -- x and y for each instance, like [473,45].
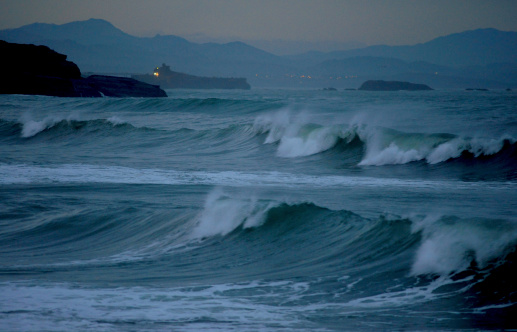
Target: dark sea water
[260,210]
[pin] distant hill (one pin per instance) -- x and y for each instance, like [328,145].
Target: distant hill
[369,65]
[470,48]
[97,46]
[90,32]
[362,68]
[477,58]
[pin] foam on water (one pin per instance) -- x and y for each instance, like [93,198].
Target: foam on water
[223,214]
[65,307]
[82,173]
[297,137]
[453,244]
[408,296]
[476,146]
[116,120]
[392,155]
[116,226]
[385,148]
[32,127]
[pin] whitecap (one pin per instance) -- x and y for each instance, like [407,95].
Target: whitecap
[222,214]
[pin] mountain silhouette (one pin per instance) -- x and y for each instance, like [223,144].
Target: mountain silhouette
[483,57]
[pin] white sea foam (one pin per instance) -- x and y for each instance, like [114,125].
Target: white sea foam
[450,245]
[297,136]
[81,173]
[115,120]
[392,155]
[31,127]
[222,214]
[386,150]
[476,146]
[316,141]
[407,296]
[274,124]
[445,151]
[66,307]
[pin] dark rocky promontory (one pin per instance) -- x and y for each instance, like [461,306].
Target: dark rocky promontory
[392,86]
[111,86]
[169,79]
[38,70]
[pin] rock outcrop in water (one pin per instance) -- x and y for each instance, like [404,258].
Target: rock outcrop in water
[38,70]
[392,86]
[168,79]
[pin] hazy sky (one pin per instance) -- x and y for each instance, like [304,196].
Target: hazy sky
[392,22]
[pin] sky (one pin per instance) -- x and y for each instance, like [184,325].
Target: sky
[276,25]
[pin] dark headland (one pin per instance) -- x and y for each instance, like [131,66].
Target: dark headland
[38,70]
[392,86]
[168,79]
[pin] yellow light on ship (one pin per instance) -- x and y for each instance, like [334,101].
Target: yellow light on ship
[156,74]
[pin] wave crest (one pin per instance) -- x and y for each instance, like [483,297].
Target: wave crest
[31,127]
[429,245]
[451,244]
[223,214]
[298,138]
[387,147]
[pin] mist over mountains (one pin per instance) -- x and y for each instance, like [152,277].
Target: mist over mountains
[477,58]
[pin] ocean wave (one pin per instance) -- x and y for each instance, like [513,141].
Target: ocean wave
[84,173]
[295,136]
[62,127]
[430,257]
[238,236]
[204,102]
[452,244]
[301,235]
[219,104]
[31,128]
[388,147]
[9,129]
[440,245]
[222,214]
[72,307]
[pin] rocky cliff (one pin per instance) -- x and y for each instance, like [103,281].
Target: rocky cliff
[38,70]
[168,79]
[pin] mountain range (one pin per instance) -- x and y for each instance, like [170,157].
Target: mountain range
[476,58]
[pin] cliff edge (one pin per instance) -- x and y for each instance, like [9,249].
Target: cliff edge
[38,70]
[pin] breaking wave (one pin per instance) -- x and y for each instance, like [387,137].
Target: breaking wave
[291,136]
[296,137]
[442,244]
[302,237]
